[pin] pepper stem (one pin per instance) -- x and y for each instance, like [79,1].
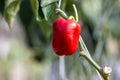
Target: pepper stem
[62,13]
[76,13]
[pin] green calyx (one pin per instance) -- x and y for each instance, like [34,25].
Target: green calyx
[76,14]
[72,18]
[63,14]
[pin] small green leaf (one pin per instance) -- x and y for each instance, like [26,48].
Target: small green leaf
[11,10]
[37,10]
[47,2]
[48,10]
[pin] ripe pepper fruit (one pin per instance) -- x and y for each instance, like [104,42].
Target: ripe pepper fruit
[66,35]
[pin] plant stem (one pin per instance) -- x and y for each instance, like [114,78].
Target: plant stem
[82,53]
[92,62]
[76,13]
[59,11]
[59,3]
[85,53]
[62,72]
[62,13]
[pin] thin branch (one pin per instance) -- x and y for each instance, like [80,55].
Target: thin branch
[85,53]
[59,3]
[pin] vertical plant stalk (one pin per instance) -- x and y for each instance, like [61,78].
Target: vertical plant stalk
[62,71]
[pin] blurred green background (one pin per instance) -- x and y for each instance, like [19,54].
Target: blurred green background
[26,53]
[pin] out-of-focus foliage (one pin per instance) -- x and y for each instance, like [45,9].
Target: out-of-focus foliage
[11,9]
[26,49]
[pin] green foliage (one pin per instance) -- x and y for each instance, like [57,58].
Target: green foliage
[47,2]
[42,8]
[37,10]
[48,10]
[99,20]
[11,10]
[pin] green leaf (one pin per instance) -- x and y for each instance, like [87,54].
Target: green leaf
[48,10]
[42,9]
[47,2]
[47,7]
[11,10]
[37,10]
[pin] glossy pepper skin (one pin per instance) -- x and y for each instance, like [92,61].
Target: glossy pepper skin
[66,35]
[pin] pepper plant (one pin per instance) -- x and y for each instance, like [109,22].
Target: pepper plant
[66,30]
